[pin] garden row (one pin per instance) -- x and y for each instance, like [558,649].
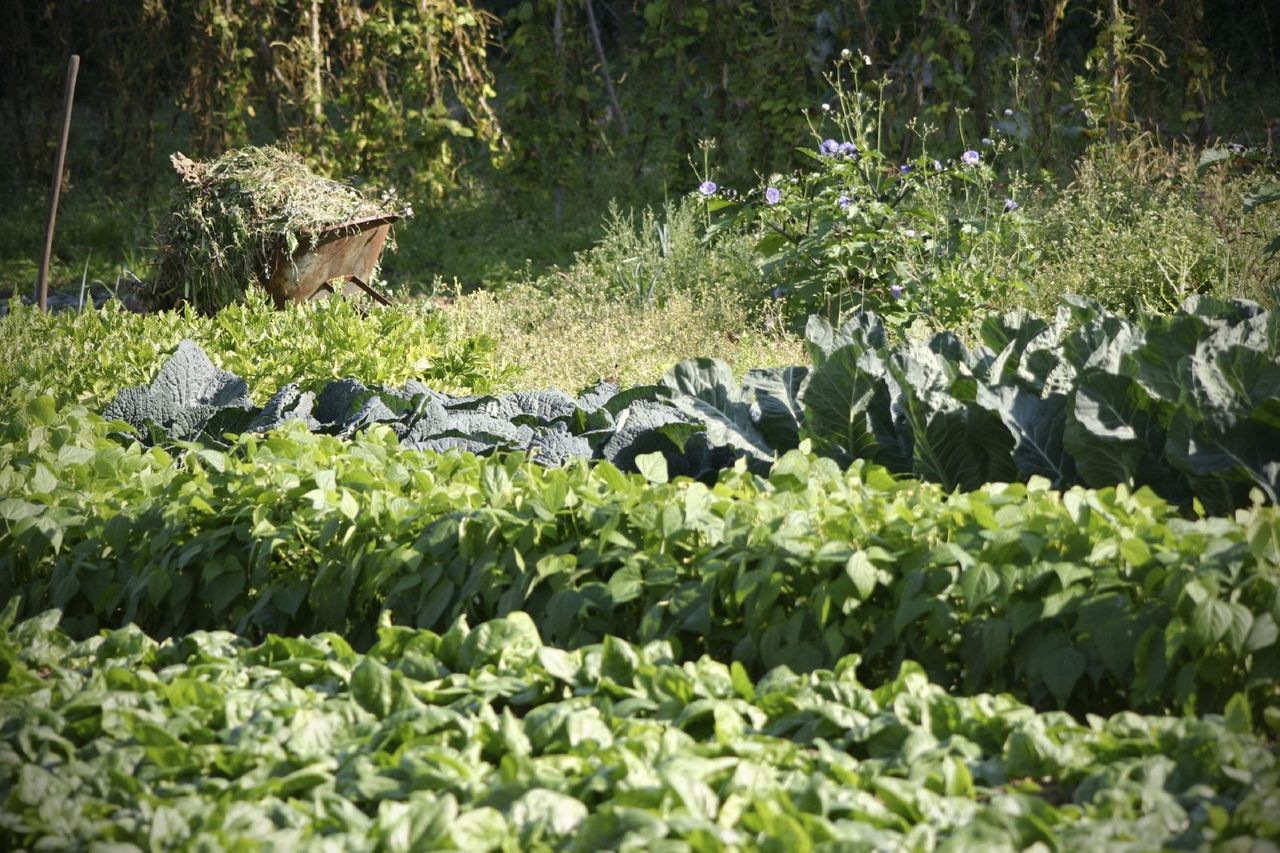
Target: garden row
[89,357]
[1092,600]
[488,739]
[1187,404]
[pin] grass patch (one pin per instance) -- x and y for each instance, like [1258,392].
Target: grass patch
[570,340]
[493,234]
[102,238]
[650,293]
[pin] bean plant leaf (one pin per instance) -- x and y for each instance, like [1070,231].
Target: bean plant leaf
[653,466]
[1060,665]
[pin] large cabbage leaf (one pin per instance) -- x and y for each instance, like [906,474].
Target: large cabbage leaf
[705,389]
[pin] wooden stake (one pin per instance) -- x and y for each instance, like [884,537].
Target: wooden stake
[42,282]
[317,61]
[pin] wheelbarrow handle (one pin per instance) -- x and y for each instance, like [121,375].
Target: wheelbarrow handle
[368,288]
[360,283]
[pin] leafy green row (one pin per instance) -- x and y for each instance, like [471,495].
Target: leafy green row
[89,357]
[1188,404]
[190,399]
[487,739]
[1090,600]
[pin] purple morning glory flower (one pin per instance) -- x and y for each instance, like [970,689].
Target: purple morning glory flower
[844,201]
[904,168]
[971,158]
[707,188]
[847,149]
[937,166]
[1010,205]
[829,148]
[896,291]
[777,293]
[772,195]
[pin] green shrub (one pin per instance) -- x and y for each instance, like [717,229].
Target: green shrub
[650,292]
[937,236]
[1250,185]
[647,258]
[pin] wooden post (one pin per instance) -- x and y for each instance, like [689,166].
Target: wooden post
[42,282]
[317,63]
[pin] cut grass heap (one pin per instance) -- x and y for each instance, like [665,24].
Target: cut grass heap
[232,215]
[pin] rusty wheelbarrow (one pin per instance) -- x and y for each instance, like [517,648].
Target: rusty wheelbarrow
[344,253]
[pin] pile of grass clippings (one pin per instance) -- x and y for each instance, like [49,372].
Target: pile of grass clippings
[232,215]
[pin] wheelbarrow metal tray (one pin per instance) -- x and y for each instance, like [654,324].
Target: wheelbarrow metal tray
[349,252]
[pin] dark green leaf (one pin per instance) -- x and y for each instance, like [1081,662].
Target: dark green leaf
[1037,427]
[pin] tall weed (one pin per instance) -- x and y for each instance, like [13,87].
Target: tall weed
[647,257]
[1135,231]
[652,291]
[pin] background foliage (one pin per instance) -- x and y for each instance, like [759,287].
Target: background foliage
[510,126]
[393,88]
[586,699]
[382,90]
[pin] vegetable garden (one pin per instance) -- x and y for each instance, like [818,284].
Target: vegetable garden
[236,623]
[908,478]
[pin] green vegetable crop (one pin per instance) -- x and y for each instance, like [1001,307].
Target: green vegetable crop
[800,651]
[1091,600]
[1188,404]
[487,739]
[89,357]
